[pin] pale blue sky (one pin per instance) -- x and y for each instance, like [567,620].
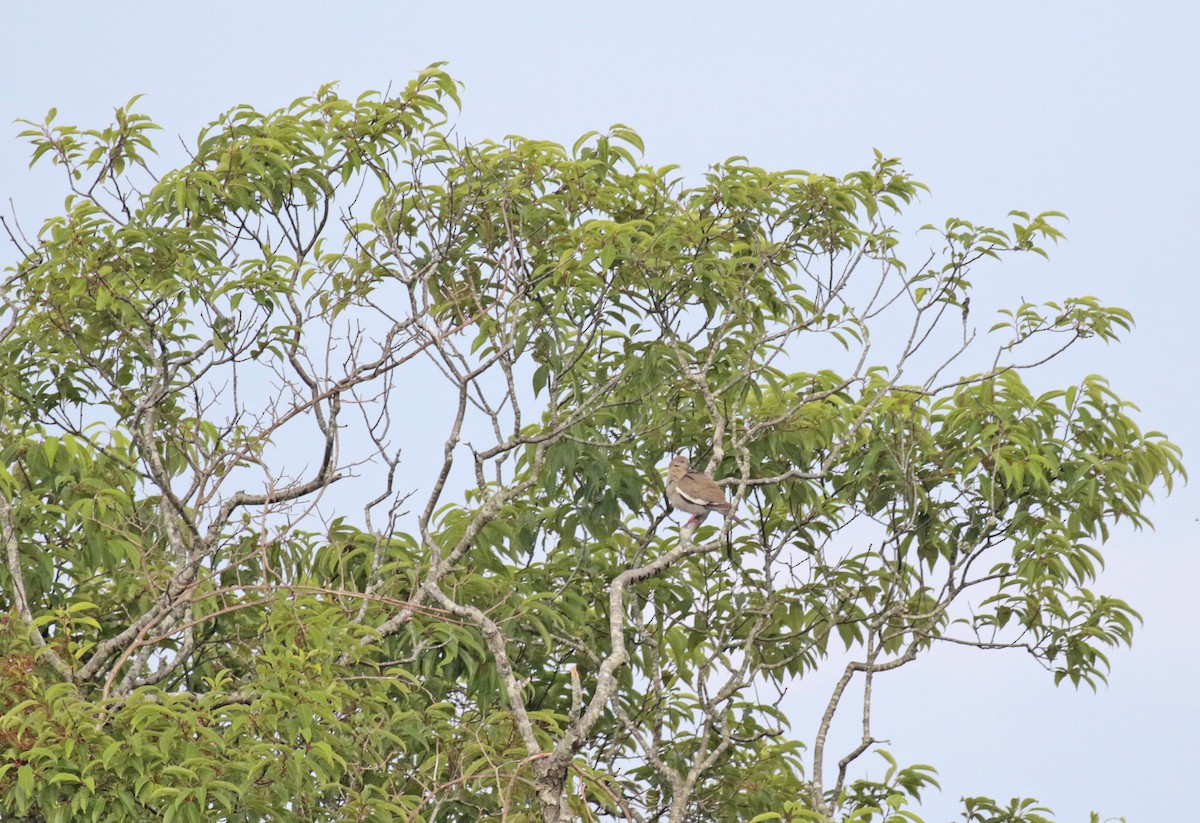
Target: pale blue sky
[1087,108]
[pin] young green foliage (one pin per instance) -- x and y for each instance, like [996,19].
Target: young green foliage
[238,583]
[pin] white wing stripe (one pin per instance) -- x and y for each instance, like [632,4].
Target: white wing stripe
[690,499]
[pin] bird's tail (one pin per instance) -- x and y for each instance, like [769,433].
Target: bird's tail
[726,509]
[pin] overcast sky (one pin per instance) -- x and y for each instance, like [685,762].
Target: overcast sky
[1087,108]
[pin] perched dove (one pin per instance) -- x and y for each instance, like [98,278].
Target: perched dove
[696,494]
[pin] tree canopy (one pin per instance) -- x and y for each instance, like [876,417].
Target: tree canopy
[332,478]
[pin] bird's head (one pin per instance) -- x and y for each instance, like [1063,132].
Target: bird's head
[679,467]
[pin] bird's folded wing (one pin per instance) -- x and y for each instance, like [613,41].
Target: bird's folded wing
[699,492]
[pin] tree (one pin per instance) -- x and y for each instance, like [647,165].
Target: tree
[333,465]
